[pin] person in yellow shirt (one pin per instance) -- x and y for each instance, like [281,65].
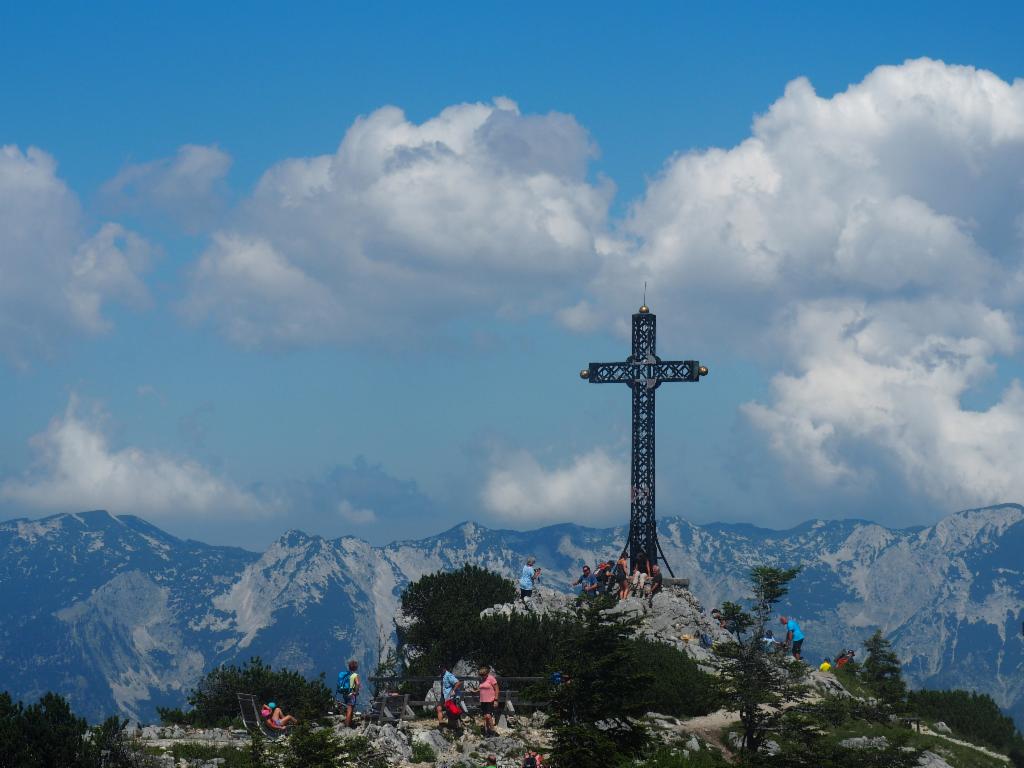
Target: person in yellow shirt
[826,665]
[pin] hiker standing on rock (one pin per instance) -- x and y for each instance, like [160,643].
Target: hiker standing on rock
[527,578]
[794,637]
[348,687]
[489,694]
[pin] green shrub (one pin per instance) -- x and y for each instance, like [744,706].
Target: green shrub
[667,757]
[423,753]
[214,700]
[308,748]
[678,687]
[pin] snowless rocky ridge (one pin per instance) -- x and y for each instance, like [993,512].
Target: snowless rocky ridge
[675,617]
[119,616]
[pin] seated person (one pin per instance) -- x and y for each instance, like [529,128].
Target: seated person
[716,615]
[275,718]
[770,643]
[655,584]
[826,665]
[844,658]
[637,579]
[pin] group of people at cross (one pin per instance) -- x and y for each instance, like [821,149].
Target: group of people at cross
[609,577]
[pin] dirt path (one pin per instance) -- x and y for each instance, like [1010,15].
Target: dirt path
[709,728]
[929,732]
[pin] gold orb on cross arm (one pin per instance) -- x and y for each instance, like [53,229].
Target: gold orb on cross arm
[644,309]
[585,374]
[703,370]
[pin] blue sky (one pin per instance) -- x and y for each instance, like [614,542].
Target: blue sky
[221,317]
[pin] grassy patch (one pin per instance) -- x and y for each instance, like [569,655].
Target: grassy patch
[955,754]
[847,675]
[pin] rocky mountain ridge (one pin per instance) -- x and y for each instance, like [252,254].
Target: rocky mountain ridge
[118,615]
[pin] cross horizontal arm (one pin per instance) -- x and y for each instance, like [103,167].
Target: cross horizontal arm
[655,371]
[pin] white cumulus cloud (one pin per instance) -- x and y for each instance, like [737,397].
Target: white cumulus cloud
[522,491]
[480,208]
[78,469]
[55,277]
[188,187]
[869,245]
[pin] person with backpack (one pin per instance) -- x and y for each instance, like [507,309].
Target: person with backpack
[532,760]
[348,688]
[449,706]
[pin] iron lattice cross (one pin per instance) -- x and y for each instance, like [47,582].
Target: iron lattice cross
[643,372]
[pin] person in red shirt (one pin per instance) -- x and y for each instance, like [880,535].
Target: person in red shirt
[489,693]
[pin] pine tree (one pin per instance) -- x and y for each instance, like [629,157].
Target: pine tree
[603,692]
[753,682]
[882,671]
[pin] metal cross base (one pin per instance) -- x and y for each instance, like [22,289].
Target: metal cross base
[643,372]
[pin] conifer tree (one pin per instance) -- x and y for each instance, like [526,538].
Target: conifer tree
[753,682]
[602,693]
[882,671]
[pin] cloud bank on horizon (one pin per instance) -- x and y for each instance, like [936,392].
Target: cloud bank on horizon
[869,247]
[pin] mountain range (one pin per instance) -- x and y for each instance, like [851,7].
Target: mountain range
[118,615]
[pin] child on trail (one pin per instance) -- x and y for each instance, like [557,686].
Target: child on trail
[826,665]
[794,637]
[348,687]
[527,578]
[275,718]
[449,706]
[489,693]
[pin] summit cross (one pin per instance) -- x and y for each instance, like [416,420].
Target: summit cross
[643,372]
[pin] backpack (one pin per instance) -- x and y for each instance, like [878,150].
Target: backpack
[344,682]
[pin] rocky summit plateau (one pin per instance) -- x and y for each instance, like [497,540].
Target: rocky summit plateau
[120,616]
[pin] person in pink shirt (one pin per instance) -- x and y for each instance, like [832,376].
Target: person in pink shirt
[488,699]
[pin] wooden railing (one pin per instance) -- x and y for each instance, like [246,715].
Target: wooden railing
[390,706]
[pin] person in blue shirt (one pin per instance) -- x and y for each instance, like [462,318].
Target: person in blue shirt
[529,575]
[450,687]
[794,637]
[587,582]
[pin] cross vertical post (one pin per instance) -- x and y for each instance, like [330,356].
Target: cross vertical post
[643,372]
